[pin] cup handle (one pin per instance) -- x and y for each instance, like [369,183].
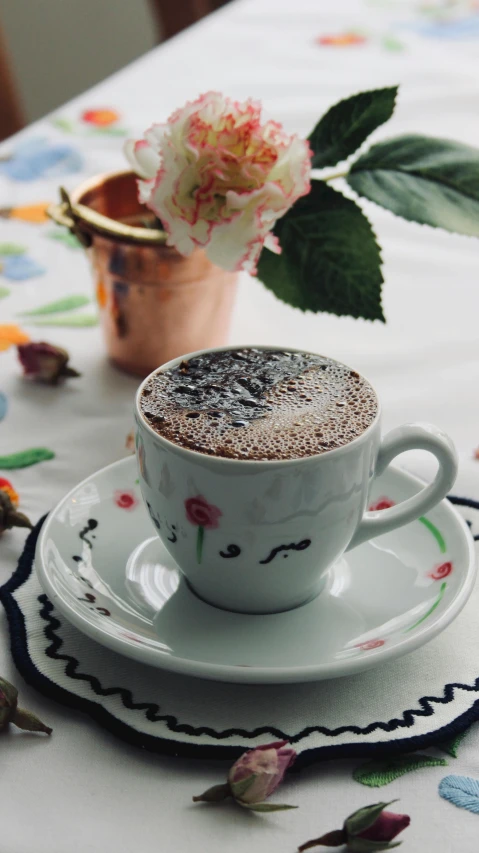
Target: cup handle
[410,437]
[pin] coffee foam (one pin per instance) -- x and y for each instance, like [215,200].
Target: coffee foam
[259,404]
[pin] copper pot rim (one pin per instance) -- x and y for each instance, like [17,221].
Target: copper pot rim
[70,213]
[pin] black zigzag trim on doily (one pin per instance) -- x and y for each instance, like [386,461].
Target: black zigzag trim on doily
[468,502]
[24,663]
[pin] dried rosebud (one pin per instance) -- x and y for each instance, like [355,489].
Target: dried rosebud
[130,442]
[263,768]
[8,703]
[11,713]
[9,515]
[44,362]
[368,829]
[254,777]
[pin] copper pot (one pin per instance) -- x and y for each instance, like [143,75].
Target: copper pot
[154,304]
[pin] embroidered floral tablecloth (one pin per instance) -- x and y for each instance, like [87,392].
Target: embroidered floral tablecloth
[84,789]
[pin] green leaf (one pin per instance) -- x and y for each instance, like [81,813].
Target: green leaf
[239,788]
[345,126]
[266,807]
[214,794]
[72,320]
[431,181]
[29,722]
[375,774]
[25,458]
[12,249]
[363,818]
[4,291]
[64,236]
[330,260]
[69,303]
[450,746]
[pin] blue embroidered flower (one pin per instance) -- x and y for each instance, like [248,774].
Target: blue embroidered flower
[38,158]
[19,267]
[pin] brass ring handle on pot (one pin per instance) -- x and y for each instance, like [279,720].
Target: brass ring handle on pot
[70,216]
[64,214]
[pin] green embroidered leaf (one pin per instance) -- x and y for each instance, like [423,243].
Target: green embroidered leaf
[73,320]
[69,303]
[375,774]
[391,43]
[431,181]
[12,249]
[109,131]
[451,746]
[345,126]
[4,291]
[25,458]
[64,236]
[62,124]
[330,260]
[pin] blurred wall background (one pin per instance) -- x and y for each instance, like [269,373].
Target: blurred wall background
[59,48]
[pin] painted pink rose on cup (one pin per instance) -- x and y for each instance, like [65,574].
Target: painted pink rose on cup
[370,644]
[125,500]
[203,515]
[441,571]
[219,178]
[199,511]
[254,777]
[381,503]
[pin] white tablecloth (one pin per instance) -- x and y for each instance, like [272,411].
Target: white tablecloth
[83,789]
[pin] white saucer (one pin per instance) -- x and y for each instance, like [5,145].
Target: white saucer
[100,563]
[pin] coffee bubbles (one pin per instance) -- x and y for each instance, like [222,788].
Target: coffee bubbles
[256,404]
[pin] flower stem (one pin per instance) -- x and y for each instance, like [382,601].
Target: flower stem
[331,839]
[336,175]
[199,543]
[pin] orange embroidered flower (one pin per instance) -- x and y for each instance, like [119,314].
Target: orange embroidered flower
[341,40]
[101,117]
[36,213]
[11,335]
[6,486]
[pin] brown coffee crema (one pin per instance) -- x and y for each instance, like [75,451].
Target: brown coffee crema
[256,404]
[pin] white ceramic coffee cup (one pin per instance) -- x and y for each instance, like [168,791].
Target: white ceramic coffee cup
[258,537]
